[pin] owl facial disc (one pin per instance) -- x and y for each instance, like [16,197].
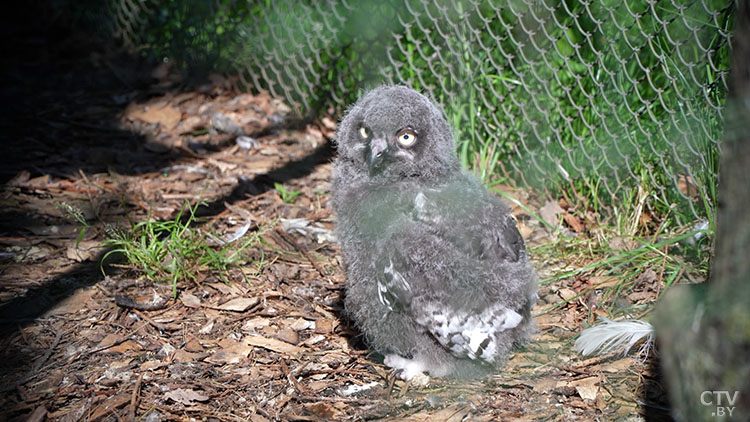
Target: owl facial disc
[382,149]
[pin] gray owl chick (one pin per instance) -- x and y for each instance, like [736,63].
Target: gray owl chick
[438,275]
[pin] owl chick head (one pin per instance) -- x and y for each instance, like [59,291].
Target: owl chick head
[394,132]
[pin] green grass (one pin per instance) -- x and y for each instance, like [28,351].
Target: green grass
[288,196]
[673,258]
[175,252]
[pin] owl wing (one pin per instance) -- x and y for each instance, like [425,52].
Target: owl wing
[473,221]
[453,273]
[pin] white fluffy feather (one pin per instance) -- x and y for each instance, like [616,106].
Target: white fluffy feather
[613,336]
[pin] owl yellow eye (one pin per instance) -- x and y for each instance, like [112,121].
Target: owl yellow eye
[364,133]
[406,137]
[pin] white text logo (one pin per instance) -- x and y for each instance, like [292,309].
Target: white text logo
[722,400]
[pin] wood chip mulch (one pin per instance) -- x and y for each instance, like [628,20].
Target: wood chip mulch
[122,142]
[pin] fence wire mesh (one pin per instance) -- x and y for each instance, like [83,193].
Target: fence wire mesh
[616,104]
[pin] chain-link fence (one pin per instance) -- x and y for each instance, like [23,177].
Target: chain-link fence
[615,104]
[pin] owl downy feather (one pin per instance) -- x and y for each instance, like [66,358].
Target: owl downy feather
[438,276]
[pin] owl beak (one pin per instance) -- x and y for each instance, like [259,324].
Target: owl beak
[377,151]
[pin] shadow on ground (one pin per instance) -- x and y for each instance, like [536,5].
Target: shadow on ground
[63,96]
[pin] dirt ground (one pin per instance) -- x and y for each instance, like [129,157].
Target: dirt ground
[87,125]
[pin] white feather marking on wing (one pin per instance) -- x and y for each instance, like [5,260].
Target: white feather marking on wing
[489,351]
[510,319]
[397,276]
[469,335]
[381,296]
[476,335]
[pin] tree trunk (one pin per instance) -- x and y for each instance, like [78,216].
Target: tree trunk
[704,331]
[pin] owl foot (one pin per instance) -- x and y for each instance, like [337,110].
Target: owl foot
[410,369]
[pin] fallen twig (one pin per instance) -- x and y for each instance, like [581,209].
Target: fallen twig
[301,250]
[134,398]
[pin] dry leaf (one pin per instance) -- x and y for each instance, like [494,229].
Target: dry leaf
[109,406]
[229,289]
[260,165]
[192,123]
[222,165]
[550,211]
[567,294]
[300,324]
[273,344]
[647,278]
[190,301]
[207,328]
[564,388]
[86,250]
[240,304]
[325,325]
[254,324]
[548,319]
[323,410]
[184,356]
[38,182]
[185,396]
[19,179]
[573,222]
[587,392]
[152,365]
[120,363]
[288,335]
[545,385]
[525,230]
[334,358]
[686,184]
[125,346]
[194,345]
[74,414]
[315,385]
[586,387]
[615,367]
[600,281]
[230,352]
[314,340]
[642,297]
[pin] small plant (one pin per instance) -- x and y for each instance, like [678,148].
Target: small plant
[171,251]
[76,214]
[288,196]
